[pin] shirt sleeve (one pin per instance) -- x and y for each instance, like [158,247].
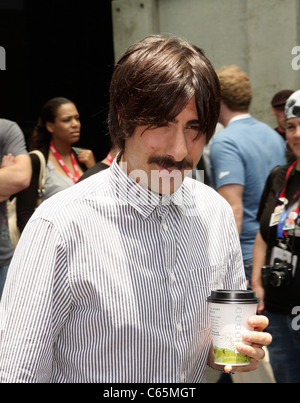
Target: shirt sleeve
[34,306]
[227,165]
[12,138]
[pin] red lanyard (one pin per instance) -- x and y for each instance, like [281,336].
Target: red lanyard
[64,166]
[289,173]
[110,158]
[282,194]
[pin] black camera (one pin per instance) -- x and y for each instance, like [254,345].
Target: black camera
[277,275]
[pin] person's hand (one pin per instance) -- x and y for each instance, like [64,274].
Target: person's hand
[86,157]
[258,339]
[7,160]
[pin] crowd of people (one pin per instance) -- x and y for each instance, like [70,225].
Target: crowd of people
[109,280]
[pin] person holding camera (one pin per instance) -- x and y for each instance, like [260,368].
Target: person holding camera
[276,255]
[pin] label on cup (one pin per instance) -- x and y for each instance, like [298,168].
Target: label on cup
[229,319]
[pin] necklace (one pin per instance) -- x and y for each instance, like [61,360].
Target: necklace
[64,166]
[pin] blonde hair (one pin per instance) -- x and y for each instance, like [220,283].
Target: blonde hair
[236,90]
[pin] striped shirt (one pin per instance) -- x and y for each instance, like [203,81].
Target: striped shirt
[109,284]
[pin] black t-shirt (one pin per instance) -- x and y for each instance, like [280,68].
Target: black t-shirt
[100,166]
[284,298]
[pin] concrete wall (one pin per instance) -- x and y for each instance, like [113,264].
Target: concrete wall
[133,20]
[261,36]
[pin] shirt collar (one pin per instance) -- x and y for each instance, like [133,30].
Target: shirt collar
[128,191]
[240,117]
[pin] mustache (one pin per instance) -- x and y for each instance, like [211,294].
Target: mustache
[168,162]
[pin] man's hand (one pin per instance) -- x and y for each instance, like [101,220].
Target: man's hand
[255,351]
[15,175]
[7,160]
[258,340]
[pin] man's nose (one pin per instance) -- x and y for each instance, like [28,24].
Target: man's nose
[177,146]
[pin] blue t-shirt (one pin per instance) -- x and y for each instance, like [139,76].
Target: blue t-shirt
[244,153]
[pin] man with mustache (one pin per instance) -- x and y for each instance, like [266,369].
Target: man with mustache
[117,269]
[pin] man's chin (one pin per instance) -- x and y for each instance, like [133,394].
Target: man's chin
[166,185]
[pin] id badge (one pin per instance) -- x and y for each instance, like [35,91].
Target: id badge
[290,222]
[275,217]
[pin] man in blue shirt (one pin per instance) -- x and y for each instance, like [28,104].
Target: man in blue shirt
[242,156]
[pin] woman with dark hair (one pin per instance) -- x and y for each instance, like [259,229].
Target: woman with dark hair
[277,246]
[58,128]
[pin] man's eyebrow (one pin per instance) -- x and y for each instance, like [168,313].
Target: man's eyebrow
[194,122]
[190,122]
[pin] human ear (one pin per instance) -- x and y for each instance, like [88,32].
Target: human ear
[50,127]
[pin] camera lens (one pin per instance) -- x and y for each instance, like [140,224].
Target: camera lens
[277,278]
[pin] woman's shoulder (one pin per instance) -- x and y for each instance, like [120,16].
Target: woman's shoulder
[279,173]
[36,154]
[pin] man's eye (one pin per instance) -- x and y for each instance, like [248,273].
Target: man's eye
[194,128]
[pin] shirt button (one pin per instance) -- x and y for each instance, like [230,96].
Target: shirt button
[172,275]
[179,327]
[182,377]
[165,227]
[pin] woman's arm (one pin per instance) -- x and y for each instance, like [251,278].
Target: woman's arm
[259,260]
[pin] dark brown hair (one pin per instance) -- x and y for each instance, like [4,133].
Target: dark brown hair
[154,80]
[40,135]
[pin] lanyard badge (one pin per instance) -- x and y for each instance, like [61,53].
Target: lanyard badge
[287,221]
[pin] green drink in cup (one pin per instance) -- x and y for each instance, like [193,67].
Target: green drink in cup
[229,312]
